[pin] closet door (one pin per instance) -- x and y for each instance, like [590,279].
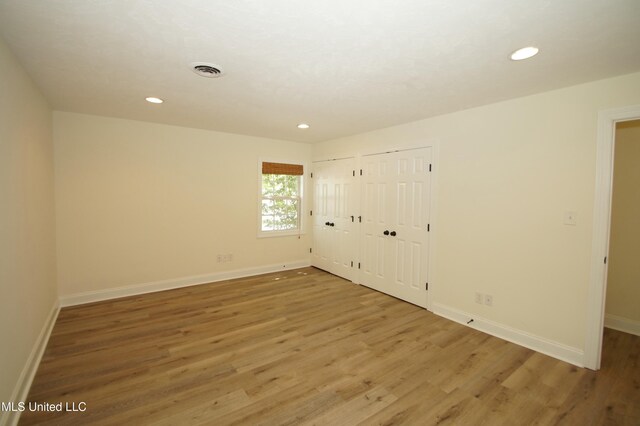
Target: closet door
[376,221]
[395,234]
[343,226]
[322,200]
[410,252]
[335,239]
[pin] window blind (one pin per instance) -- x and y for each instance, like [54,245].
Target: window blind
[282,169]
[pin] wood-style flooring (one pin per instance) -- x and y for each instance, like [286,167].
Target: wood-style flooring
[306,347]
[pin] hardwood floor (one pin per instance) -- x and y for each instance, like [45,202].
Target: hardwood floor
[306,347]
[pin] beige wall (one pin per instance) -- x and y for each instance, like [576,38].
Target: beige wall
[140,202]
[507,173]
[623,284]
[27,241]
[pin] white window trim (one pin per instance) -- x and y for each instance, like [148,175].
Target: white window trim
[303,202]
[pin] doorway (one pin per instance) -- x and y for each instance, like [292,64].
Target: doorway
[623,275]
[607,121]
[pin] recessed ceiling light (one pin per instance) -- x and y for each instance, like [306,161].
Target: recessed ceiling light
[303,126]
[524,53]
[154,100]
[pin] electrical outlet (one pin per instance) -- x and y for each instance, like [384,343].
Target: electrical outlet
[479,298]
[570,218]
[220,258]
[488,300]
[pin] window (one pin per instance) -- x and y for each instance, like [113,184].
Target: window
[281,203]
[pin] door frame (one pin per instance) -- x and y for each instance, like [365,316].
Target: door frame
[605,148]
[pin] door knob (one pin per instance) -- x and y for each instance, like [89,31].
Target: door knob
[393,233]
[386,232]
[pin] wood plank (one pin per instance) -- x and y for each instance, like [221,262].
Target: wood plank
[307,347]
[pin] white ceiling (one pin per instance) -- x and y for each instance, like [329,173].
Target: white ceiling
[343,66]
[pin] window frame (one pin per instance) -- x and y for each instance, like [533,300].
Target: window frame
[300,230]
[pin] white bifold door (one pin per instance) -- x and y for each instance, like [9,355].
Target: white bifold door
[394,239]
[334,223]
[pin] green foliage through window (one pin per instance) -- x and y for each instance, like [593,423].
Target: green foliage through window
[280,202]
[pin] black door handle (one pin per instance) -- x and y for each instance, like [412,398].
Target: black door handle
[327,223]
[386,232]
[332,224]
[393,233]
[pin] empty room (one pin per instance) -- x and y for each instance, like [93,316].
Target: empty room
[319,213]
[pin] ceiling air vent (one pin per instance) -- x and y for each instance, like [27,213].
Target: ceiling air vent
[206,70]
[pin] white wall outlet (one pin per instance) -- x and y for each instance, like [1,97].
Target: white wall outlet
[488,300]
[571,218]
[220,258]
[479,298]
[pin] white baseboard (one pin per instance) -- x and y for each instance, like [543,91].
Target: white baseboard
[622,324]
[135,289]
[21,390]
[557,350]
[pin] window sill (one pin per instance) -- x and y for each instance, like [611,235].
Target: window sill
[271,234]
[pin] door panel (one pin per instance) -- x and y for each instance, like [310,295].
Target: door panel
[335,243]
[396,199]
[321,239]
[374,222]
